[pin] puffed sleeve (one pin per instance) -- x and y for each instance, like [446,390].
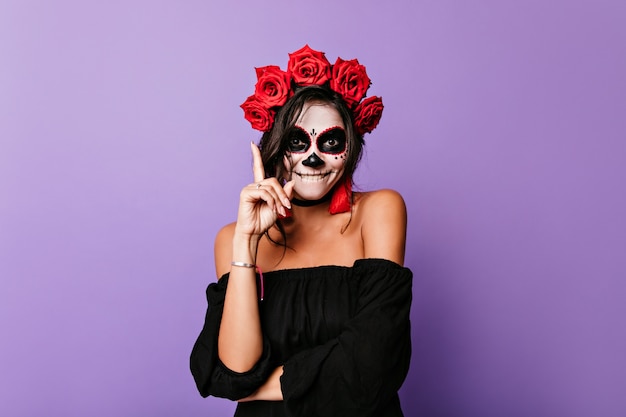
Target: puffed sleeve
[359,372]
[211,375]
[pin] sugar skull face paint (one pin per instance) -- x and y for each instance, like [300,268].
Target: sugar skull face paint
[316,160]
[331,140]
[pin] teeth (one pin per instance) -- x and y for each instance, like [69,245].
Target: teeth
[313,177]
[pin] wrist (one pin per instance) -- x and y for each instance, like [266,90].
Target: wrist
[245,248]
[243,236]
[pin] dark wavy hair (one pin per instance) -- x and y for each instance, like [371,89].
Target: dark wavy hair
[274,142]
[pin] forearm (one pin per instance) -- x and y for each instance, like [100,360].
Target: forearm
[240,341]
[270,390]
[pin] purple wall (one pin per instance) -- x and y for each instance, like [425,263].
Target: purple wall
[123,149]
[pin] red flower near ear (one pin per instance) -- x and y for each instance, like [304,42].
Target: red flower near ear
[308,67]
[368,114]
[350,80]
[272,87]
[260,117]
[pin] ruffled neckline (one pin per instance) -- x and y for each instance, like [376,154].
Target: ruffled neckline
[357,263]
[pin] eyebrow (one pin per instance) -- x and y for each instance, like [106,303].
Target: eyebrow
[322,132]
[331,129]
[301,129]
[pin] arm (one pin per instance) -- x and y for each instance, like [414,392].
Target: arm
[240,341]
[270,390]
[212,377]
[231,358]
[384,226]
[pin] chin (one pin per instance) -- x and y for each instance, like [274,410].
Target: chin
[311,194]
[307,191]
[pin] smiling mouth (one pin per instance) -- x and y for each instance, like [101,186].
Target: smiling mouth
[313,177]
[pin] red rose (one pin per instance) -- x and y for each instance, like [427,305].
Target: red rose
[367,114]
[260,117]
[272,87]
[350,80]
[308,67]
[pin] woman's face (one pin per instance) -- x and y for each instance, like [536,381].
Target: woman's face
[316,151]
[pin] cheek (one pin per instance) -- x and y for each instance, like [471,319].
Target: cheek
[292,160]
[339,159]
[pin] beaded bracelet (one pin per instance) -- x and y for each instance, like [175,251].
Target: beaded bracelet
[247,265]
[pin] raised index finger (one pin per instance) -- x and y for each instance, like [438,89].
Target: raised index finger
[257,163]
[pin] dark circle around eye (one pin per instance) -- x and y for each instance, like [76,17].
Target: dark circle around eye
[332,141]
[299,140]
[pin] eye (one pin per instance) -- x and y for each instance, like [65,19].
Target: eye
[332,141]
[296,145]
[298,141]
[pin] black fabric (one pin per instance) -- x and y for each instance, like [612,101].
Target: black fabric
[211,375]
[342,334]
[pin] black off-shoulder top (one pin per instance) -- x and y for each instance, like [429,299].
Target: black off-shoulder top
[341,333]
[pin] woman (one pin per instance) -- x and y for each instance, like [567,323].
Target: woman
[324,329]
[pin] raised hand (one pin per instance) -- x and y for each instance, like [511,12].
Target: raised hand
[261,202]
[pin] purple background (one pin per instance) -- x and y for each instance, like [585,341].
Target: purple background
[123,150]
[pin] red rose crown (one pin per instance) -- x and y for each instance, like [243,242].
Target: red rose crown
[309,67]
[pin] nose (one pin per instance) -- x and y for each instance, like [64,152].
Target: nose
[313,161]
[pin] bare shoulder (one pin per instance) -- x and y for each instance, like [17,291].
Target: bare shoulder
[383,219]
[385,200]
[223,249]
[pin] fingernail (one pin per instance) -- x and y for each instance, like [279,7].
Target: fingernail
[287,214]
[287,203]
